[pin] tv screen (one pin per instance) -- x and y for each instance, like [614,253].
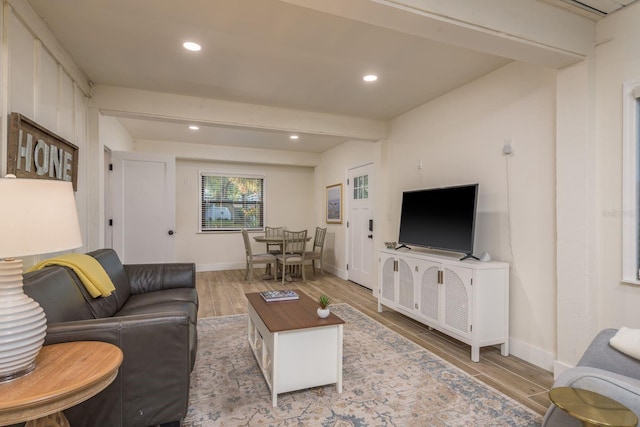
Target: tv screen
[439,218]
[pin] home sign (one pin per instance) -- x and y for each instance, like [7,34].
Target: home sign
[37,153]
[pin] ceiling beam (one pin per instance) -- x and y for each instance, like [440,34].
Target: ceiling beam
[523,30]
[134,103]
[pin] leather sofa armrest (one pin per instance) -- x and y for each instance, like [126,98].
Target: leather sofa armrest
[152,386]
[156,277]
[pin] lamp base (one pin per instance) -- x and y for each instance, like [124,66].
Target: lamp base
[23,324]
[16,375]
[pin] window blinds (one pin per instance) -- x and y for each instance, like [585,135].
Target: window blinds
[231,202]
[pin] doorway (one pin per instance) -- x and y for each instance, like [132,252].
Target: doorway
[143,189]
[360,226]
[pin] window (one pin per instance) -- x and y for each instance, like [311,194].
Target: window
[631,184]
[229,203]
[361,187]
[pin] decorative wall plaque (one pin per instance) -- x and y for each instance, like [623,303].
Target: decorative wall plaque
[37,153]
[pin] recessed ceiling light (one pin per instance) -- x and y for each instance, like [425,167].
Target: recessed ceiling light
[370,78]
[294,137]
[192,46]
[194,127]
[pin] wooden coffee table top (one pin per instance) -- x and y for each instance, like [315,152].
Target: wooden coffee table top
[280,316]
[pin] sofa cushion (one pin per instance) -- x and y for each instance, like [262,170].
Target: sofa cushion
[161,308]
[160,297]
[156,277]
[113,266]
[57,292]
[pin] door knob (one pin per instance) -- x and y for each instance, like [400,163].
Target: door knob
[370,236]
[170,232]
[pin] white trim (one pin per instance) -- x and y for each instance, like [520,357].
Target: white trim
[559,368]
[532,354]
[630,173]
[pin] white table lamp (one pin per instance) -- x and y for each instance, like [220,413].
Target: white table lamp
[37,217]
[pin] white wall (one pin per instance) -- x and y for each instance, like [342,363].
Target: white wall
[459,138]
[618,61]
[289,195]
[591,295]
[331,170]
[40,82]
[576,299]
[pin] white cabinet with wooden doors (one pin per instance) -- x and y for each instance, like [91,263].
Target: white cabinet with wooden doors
[468,300]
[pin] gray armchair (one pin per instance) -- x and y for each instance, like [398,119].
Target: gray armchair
[604,370]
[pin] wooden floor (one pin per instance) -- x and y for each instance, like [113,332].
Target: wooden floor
[222,293]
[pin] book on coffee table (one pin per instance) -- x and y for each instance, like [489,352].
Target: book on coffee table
[284,295]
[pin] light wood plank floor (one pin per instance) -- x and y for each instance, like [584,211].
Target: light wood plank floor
[222,293]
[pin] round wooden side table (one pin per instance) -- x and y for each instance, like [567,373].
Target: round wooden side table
[66,374]
[593,409]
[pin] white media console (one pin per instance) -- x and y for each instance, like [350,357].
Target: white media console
[467,300]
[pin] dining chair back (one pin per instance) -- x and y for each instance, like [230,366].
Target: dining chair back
[294,244]
[317,254]
[252,258]
[274,248]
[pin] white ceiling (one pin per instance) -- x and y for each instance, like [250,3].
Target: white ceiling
[265,52]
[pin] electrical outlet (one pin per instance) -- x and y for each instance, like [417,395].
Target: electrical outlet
[419,164]
[507,148]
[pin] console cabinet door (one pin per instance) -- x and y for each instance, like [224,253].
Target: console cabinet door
[406,288]
[456,301]
[387,274]
[429,304]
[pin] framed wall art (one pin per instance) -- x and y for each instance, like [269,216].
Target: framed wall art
[334,204]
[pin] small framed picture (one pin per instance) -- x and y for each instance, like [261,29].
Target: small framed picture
[334,204]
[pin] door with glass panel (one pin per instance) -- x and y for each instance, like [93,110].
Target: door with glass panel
[360,226]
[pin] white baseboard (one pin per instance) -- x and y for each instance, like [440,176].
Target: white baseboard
[559,367]
[241,266]
[532,354]
[220,266]
[341,273]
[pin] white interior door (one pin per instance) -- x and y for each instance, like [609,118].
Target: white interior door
[360,226]
[143,189]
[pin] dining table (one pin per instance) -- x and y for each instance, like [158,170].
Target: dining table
[273,240]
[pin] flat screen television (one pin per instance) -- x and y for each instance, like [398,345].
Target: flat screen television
[440,218]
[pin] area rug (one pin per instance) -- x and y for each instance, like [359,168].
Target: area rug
[387,381]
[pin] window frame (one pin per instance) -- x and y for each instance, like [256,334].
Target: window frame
[201,204]
[631,183]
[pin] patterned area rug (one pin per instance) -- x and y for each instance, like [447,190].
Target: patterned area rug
[387,381]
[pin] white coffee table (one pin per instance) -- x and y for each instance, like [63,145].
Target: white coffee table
[294,348]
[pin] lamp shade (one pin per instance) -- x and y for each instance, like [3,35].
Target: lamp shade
[38,216]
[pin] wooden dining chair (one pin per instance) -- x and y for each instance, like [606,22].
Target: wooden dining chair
[317,252]
[274,248]
[251,258]
[294,245]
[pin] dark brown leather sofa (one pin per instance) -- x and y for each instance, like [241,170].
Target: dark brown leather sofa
[151,316]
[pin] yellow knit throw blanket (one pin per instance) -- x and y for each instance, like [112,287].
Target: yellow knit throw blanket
[88,269]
